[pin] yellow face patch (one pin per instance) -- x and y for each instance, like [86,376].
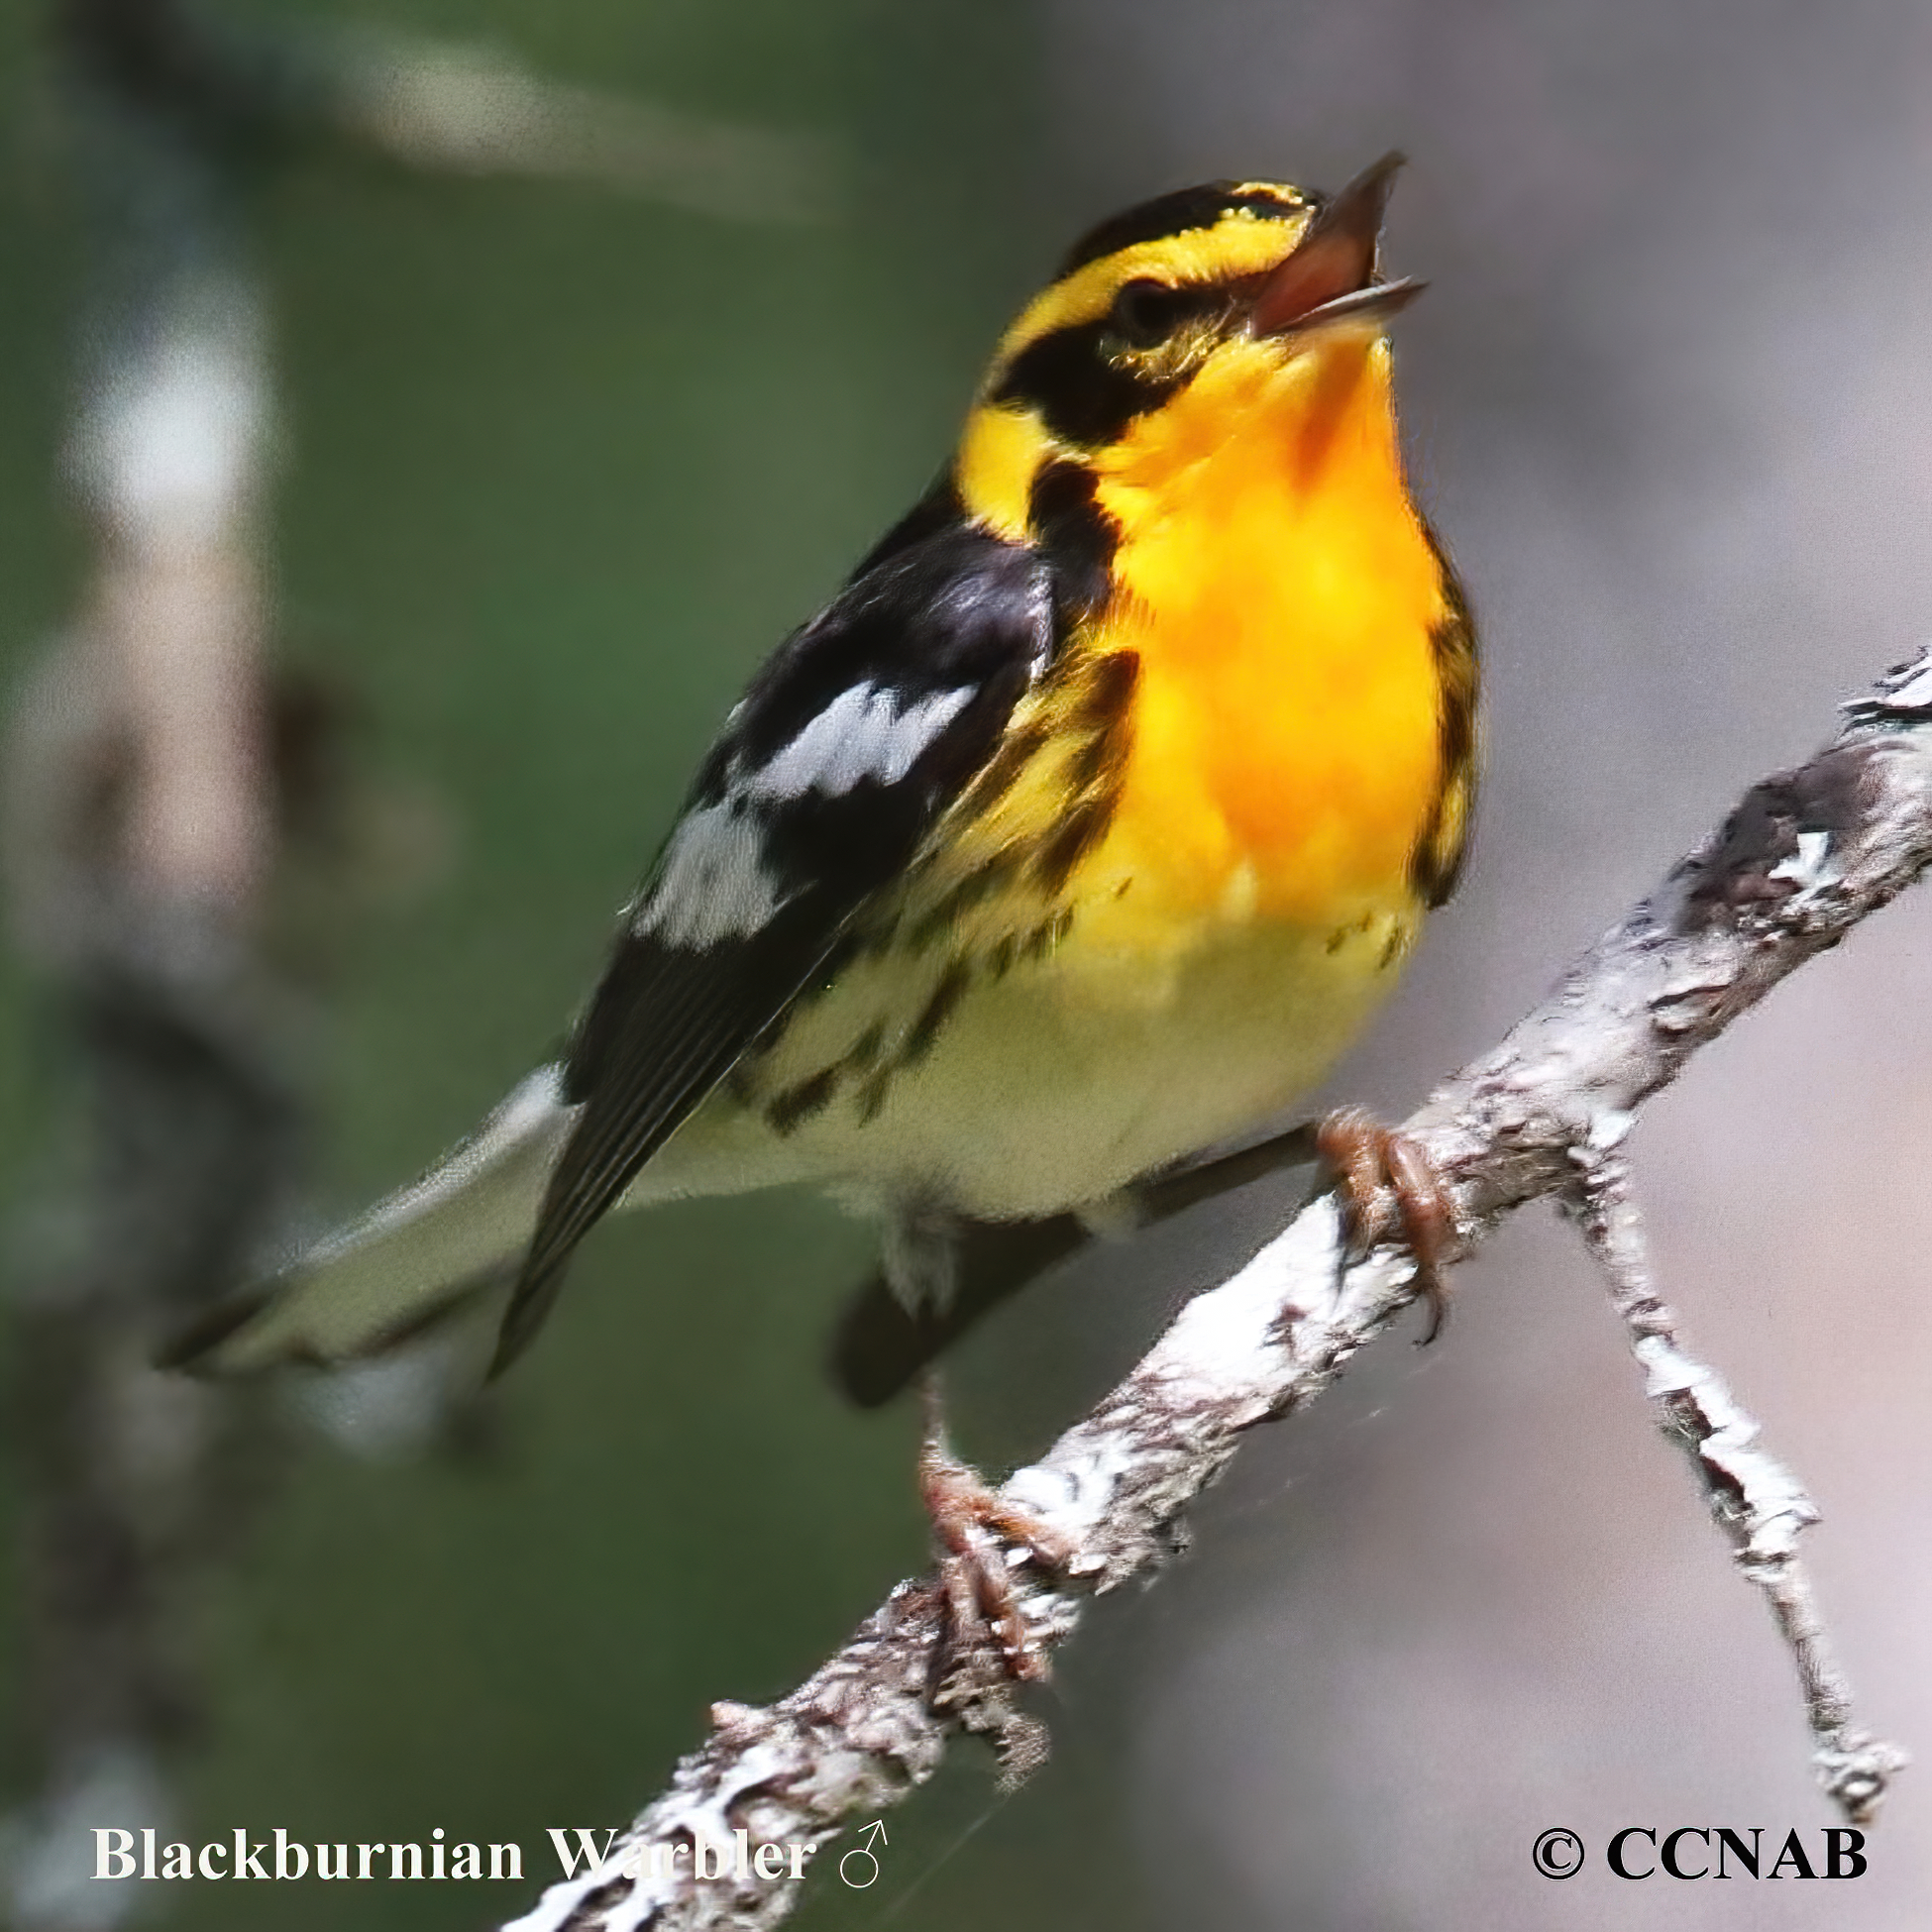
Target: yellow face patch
[999,454]
[1007,443]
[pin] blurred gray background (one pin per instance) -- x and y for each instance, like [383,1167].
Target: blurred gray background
[560,466]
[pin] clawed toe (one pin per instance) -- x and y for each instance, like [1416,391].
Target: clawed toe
[973,1528]
[1390,1192]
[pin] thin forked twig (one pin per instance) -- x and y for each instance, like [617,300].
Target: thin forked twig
[1758,1504]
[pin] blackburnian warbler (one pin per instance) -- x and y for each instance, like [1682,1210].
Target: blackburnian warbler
[1080,831]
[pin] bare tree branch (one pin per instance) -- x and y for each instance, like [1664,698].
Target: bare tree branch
[1804,857]
[1752,1496]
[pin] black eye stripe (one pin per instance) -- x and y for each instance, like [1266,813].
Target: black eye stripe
[1085,391]
[1083,395]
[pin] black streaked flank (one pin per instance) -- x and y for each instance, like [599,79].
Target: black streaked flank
[872,1096]
[799,1102]
[951,988]
[1048,933]
[978,886]
[1180,211]
[1435,866]
[1018,750]
[1110,690]
[1098,764]
[1096,769]
[1080,829]
[1091,746]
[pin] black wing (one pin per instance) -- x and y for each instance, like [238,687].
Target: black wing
[857,735]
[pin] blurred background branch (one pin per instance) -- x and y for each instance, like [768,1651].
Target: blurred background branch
[442,106]
[166,781]
[476,111]
[141,832]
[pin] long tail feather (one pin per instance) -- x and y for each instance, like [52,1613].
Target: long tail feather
[462,1227]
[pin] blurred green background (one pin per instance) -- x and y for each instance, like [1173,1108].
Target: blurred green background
[559,466]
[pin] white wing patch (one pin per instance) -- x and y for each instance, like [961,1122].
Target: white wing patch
[862,733]
[714,885]
[716,881]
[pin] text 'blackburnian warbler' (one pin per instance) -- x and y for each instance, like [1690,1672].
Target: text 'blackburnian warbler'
[1081,831]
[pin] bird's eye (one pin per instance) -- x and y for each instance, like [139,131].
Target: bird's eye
[1144,312]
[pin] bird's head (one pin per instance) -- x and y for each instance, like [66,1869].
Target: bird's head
[1230,307]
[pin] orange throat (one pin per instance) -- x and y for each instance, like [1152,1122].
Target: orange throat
[1282,595]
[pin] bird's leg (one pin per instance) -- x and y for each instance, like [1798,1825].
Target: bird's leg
[1390,1192]
[922,1301]
[971,1527]
[920,1258]
[1173,1189]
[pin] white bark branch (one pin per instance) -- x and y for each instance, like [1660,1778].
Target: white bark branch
[1758,1503]
[1803,860]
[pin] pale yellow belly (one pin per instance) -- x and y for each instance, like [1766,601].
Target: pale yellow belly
[1048,1085]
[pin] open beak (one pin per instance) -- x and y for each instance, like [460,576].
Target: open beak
[1331,277]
